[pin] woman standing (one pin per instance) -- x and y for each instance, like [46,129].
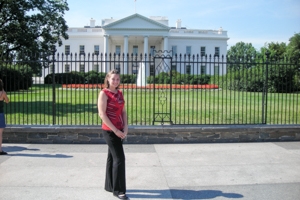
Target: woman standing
[3,97]
[114,124]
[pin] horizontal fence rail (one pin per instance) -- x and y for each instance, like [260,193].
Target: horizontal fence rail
[60,89]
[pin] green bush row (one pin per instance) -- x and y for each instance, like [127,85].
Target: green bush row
[177,78]
[91,77]
[95,77]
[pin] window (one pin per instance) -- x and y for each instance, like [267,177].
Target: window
[134,69]
[217,51]
[202,50]
[117,67]
[216,70]
[203,69]
[135,50]
[67,50]
[174,50]
[118,50]
[96,49]
[96,67]
[81,49]
[188,50]
[82,68]
[67,68]
[51,68]
[188,69]
[152,70]
[152,48]
[173,67]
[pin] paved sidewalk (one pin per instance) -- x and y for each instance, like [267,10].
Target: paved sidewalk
[256,171]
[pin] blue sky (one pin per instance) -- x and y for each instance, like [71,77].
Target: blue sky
[250,21]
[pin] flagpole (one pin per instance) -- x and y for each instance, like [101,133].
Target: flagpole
[135,6]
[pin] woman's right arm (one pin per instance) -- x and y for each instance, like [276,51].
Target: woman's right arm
[6,99]
[102,104]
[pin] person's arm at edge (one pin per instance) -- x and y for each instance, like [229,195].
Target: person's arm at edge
[6,99]
[102,103]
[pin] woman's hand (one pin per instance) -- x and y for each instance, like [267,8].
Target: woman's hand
[121,134]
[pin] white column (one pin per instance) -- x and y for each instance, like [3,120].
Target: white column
[106,43]
[166,43]
[125,54]
[145,45]
[106,52]
[143,66]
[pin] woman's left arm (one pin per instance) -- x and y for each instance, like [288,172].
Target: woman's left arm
[124,116]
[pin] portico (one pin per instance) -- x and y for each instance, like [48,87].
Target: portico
[135,30]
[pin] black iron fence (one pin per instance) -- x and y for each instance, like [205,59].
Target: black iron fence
[63,89]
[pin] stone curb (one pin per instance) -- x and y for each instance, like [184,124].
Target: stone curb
[153,134]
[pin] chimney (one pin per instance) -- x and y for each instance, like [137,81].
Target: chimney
[92,23]
[178,24]
[220,31]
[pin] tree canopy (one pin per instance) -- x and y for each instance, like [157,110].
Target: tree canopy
[31,25]
[282,75]
[293,48]
[277,50]
[241,50]
[241,55]
[244,53]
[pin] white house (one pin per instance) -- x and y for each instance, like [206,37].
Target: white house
[137,34]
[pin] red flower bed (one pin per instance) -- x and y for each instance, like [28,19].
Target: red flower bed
[149,86]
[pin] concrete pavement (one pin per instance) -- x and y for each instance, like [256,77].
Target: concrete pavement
[248,171]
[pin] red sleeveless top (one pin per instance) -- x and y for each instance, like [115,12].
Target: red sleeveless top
[114,108]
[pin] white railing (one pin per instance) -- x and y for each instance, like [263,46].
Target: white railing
[198,32]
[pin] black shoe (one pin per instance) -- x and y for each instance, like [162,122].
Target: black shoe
[3,153]
[121,196]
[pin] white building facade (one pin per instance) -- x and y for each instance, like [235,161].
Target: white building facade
[137,34]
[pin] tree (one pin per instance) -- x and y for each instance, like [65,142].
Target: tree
[31,26]
[277,50]
[241,56]
[283,75]
[293,48]
[293,51]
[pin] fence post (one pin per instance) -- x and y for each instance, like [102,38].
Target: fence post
[265,91]
[53,88]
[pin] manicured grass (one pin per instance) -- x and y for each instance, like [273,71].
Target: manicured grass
[186,106]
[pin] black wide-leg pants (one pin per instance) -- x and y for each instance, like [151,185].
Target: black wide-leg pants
[115,180]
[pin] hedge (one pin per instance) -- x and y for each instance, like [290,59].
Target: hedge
[91,77]
[177,78]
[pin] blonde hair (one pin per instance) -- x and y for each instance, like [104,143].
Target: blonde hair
[106,83]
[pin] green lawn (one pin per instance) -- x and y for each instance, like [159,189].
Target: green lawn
[79,107]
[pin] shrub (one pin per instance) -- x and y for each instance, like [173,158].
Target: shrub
[66,78]
[177,78]
[126,78]
[94,77]
[16,77]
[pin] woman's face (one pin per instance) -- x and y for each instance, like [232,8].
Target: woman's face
[114,80]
